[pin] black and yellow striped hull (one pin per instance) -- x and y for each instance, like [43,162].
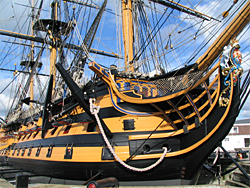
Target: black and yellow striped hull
[190,129]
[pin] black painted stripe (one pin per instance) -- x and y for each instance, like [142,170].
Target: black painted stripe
[86,140]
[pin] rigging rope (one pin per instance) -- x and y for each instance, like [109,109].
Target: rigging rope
[150,37]
[95,110]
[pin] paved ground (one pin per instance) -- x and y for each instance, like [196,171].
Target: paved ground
[6,184]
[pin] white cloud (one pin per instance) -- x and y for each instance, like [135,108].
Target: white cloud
[5,101]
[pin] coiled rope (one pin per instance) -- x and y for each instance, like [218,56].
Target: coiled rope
[95,110]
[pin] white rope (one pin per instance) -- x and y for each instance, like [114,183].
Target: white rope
[217,156]
[95,110]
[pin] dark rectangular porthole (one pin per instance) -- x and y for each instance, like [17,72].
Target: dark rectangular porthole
[68,152]
[18,151]
[14,150]
[49,151]
[35,134]
[38,150]
[129,124]
[66,131]
[91,127]
[106,154]
[23,151]
[24,137]
[29,152]
[53,131]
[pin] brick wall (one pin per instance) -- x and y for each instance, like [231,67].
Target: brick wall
[241,130]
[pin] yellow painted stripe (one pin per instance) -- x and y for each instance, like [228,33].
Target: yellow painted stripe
[181,131]
[197,144]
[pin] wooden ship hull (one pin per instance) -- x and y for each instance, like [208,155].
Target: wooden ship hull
[136,129]
[74,152]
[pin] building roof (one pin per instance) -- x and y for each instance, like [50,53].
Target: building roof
[242,121]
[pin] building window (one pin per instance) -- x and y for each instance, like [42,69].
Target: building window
[247,142]
[235,130]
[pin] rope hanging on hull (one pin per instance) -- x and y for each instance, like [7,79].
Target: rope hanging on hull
[95,110]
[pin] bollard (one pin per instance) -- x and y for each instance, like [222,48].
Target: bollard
[106,182]
[22,181]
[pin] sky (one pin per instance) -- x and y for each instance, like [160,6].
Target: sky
[15,16]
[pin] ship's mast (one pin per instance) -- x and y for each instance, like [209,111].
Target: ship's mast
[32,57]
[127,28]
[53,50]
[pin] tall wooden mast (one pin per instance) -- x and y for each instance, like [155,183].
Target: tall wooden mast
[127,28]
[53,50]
[32,58]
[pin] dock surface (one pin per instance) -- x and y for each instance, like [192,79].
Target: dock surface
[5,184]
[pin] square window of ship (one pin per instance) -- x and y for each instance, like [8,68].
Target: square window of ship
[66,131]
[18,151]
[91,127]
[38,150]
[30,149]
[53,131]
[29,136]
[49,152]
[129,124]
[34,136]
[23,151]
[13,153]
[24,137]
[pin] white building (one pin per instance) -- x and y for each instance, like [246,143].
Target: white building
[239,136]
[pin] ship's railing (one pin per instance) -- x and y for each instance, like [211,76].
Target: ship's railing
[161,86]
[177,83]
